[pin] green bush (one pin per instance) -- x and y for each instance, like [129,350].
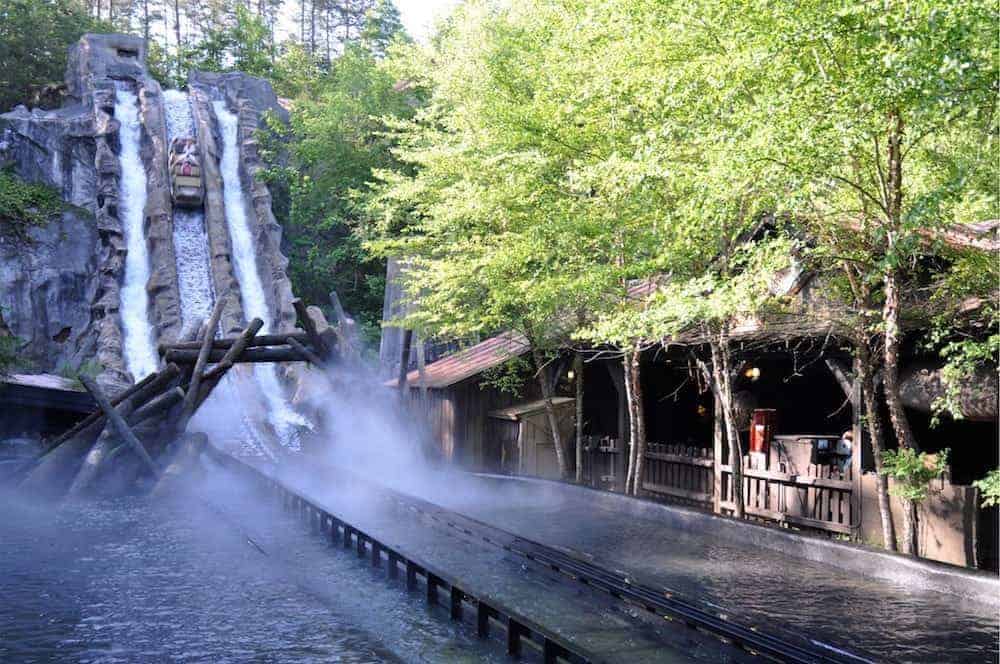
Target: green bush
[989,486]
[913,472]
[25,204]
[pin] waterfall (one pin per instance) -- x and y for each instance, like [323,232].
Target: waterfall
[139,350]
[281,415]
[190,239]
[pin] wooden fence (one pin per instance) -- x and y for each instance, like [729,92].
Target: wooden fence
[686,473]
[821,499]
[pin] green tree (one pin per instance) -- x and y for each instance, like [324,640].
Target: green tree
[336,140]
[34,39]
[382,25]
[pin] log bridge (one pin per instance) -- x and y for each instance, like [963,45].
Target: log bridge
[142,431]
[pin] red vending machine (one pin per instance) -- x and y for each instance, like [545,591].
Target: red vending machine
[763,425]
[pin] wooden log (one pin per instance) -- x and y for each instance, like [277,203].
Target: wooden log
[271,354]
[190,447]
[199,366]
[226,343]
[94,461]
[100,456]
[119,423]
[310,327]
[97,414]
[215,374]
[306,353]
[158,406]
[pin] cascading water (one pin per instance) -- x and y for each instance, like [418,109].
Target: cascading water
[139,351]
[282,417]
[190,240]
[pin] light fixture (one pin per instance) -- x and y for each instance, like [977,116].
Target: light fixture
[570,375]
[753,373]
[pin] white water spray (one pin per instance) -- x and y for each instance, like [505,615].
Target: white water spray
[139,350]
[281,415]
[190,239]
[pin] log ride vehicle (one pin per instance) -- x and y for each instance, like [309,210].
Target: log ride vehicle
[187,187]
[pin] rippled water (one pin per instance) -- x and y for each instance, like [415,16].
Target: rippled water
[127,581]
[757,586]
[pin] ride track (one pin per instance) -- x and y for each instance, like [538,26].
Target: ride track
[520,629]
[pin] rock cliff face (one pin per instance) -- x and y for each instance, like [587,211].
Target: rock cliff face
[61,292]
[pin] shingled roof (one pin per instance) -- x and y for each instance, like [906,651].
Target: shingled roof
[468,362]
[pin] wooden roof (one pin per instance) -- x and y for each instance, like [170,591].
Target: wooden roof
[45,391]
[515,412]
[468,362]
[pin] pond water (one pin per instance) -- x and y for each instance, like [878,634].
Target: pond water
[128,581]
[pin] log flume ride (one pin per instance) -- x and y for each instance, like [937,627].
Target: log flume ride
[487,611]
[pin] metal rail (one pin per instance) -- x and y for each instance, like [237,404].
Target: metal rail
[661,603]
[487,612]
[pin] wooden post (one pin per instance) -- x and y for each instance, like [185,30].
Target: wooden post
[404,360]
[310,327]
[227,342]
[215,374]
[306,353]
[717,450]
[273,354]
[191,398]
[118,423]
[98,414]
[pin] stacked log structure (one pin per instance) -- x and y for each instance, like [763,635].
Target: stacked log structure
[141,433]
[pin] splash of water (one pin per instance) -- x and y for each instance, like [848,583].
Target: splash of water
[283,418]
[190,239]
[139,350]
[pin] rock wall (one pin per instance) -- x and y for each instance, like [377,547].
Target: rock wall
[61,294]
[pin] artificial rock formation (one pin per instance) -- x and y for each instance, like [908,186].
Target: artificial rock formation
[61,295]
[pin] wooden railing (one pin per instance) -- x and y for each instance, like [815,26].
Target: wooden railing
[820,499]
[680,472]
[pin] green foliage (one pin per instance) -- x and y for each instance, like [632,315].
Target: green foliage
[382,26]
[913,472]
[8,353]
[965,341]
[90,369]
[34,38]
[509,377]
[989,487]
[25,204]
[335,142]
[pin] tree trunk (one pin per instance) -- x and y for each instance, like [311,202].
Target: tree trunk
[550,411]
[640,419]
[145,20]
[633,436]
[722,383]
[890,313]
[177,33]
[873,422]
[578,372]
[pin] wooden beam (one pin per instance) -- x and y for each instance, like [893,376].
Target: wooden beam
[158,406]
[226,343]
[269,354]
[118,423]
[215,374]
[98,414]
[404,360]
[306,353]
[310,327]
